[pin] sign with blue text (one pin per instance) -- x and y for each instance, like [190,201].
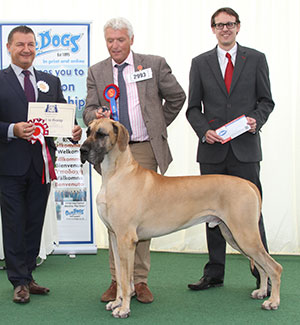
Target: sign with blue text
[61,50]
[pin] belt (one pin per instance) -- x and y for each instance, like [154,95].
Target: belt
[134,142]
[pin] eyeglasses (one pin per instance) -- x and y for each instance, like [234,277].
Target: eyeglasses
[229,25]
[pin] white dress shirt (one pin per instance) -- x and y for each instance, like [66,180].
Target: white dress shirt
[223,59]
[138,127]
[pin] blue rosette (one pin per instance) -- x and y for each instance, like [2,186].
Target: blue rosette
[111,93]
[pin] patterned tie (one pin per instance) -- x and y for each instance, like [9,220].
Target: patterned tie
[28,87]
[123,103]
[228,72]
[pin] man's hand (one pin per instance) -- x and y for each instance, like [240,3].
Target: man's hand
[76,133]
[24,130]
[102,112]
[252,123]
[211,137]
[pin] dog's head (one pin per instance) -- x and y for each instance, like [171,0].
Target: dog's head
[102,136]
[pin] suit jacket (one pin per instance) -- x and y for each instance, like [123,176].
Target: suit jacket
[16,155]
[210,106]
[161,98]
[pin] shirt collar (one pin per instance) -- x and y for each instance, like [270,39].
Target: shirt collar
[128,60]
[222,53]
[18,70]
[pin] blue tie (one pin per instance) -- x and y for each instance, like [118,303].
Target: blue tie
[28,87]
[123,103]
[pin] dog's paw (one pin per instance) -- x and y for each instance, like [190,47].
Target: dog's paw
[121,312]
[113,304]
[259,294]
[109,306]
[270,304]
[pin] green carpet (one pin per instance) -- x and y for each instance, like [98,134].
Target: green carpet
[76,285]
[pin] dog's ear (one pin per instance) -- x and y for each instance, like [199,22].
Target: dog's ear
[122,135]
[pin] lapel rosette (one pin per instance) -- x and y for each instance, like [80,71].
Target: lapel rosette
[42,86]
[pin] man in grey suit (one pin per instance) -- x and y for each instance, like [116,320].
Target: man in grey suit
[153,102]
[215,101]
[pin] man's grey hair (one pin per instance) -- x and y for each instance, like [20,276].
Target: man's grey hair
[119,23]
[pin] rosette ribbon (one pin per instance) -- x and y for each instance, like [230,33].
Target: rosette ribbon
[111,93]
[41,129]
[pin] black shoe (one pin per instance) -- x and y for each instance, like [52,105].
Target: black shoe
[206,282]
[269,284]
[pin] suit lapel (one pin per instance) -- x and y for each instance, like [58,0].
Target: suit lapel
[15,84]
[38,77]
[107,73]
[241,58]
[213,63]
[106,78]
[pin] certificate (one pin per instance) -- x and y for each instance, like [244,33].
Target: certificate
[59,117]
[233,129]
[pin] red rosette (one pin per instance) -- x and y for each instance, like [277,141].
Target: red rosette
[42,129]
[111,91]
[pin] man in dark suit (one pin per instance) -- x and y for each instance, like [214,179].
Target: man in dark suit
[23,196]
[153,104]
[214,100]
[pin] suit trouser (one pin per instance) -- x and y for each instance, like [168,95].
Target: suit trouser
[143,154]
[216,243]
[23,201]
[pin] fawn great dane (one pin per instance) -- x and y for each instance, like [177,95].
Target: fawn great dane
[137,204]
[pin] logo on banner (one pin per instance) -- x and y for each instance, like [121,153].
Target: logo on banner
[46,42]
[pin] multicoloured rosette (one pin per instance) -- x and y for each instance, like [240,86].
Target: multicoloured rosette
[111,93]
[42,129]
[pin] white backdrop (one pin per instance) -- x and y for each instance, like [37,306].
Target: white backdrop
[179,30]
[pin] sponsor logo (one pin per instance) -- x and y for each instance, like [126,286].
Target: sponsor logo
[47,42]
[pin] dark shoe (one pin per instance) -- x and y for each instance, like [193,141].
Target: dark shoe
[206,282]
[143,293]
[269,289]
[21,294]
[110,293]
[35,289]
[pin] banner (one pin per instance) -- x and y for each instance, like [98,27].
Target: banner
[72,198]
[63,51]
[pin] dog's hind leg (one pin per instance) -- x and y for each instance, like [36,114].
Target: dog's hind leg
[266,265]
[261,292]
[126,244]
[272,270]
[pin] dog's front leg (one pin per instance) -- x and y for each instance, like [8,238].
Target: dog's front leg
[126,249]
[118,302]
